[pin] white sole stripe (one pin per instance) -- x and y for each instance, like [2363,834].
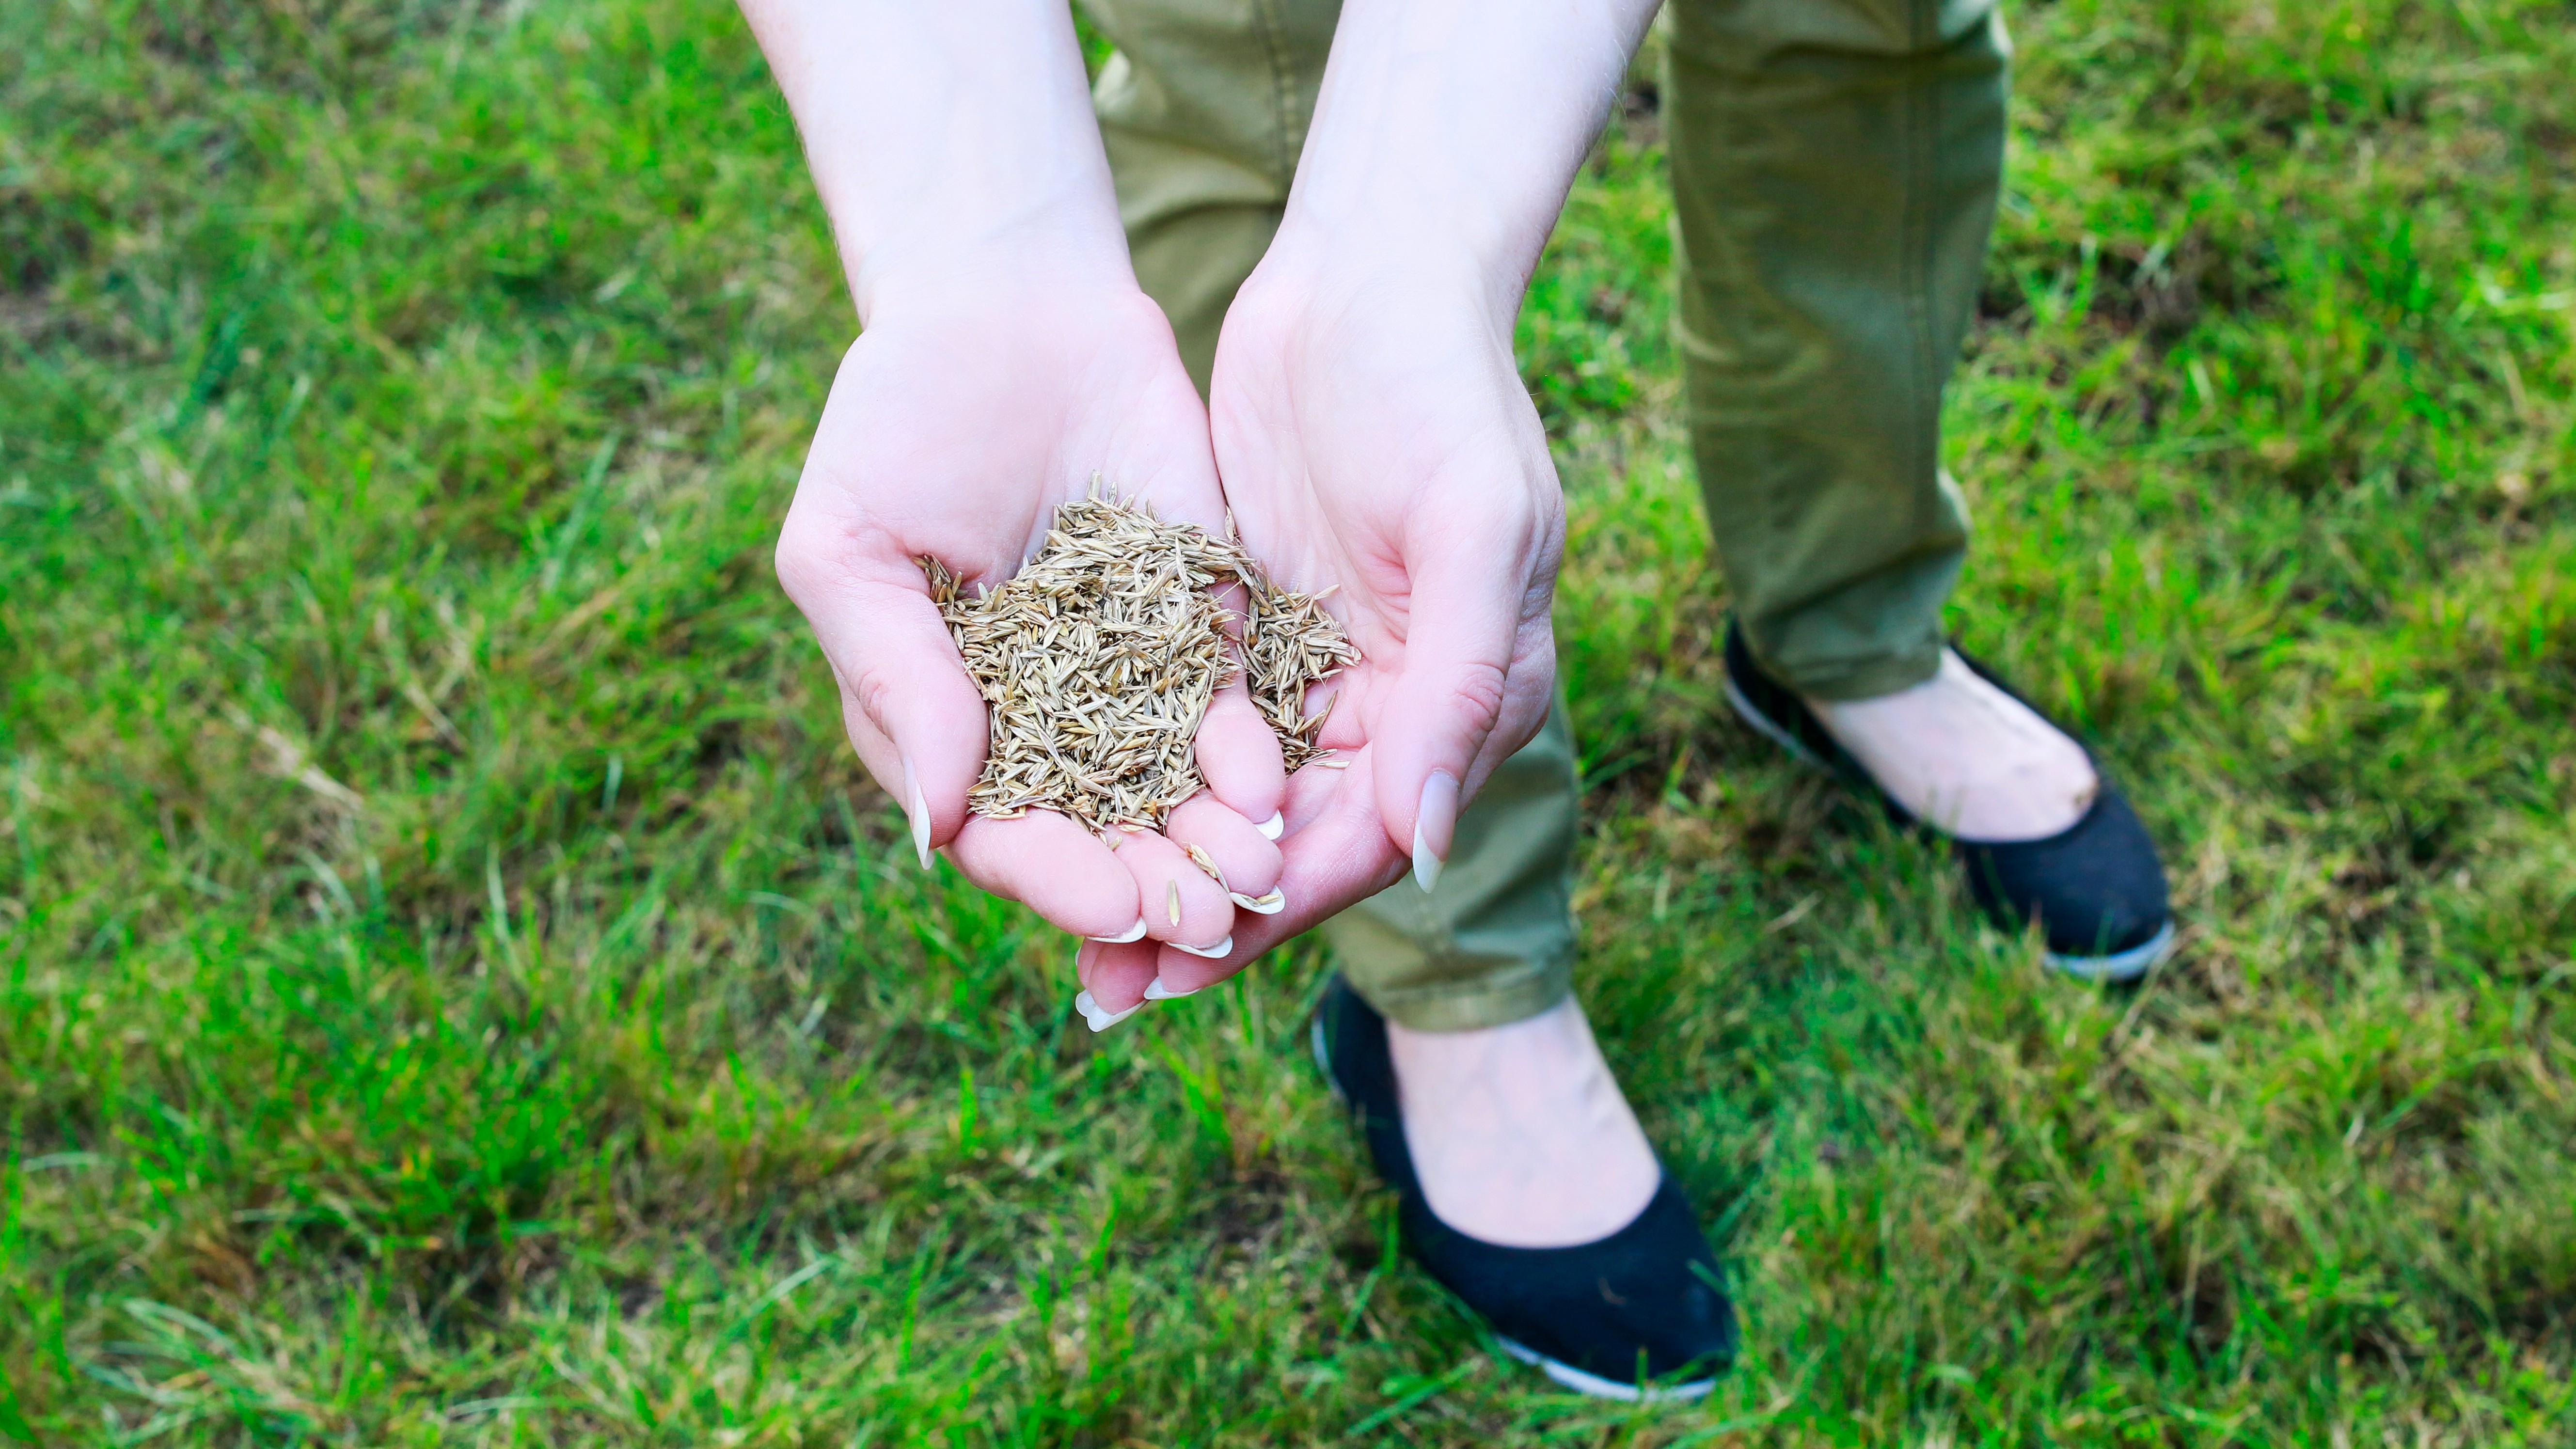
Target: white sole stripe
[2126,965]
[1595,1386]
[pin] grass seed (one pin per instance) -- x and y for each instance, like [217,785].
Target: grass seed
[1098,660]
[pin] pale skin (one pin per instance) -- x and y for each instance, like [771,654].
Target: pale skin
[1372,435]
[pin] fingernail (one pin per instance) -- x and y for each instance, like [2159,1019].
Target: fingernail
[918,810]
[1217,952]
[1155,990]
[1100,1018]
[1269,905]
[1434,822]
[1135,932]
[1274,827]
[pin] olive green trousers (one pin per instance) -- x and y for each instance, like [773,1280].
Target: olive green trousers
[1835,165]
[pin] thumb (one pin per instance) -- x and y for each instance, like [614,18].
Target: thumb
[1463,696]
[914,716]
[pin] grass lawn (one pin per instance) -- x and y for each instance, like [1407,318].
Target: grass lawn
[457,987]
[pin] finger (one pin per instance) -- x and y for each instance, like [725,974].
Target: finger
[910,710]
[1055,867]
[1181,903]
[1459,698]
[1247,861]
[1238,755]
[1335,854]
[1114,978]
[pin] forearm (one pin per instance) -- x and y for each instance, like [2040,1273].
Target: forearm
[952,143]
[1448,131]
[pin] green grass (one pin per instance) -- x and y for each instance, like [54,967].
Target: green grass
[458,987]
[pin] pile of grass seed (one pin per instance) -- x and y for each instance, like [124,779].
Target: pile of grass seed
[1099,659]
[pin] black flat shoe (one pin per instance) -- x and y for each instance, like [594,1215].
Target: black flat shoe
[2096,888]
[1636,1315]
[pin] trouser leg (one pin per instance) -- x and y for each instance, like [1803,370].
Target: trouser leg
[1204,109]
[1835,169]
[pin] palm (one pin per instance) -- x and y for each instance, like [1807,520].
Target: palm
[1389,470]
[963,439]
[955,436]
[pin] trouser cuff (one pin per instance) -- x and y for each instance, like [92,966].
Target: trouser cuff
[1841,681]
[1497,998]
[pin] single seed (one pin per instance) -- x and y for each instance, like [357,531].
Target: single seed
[1172,901]
[1206,862]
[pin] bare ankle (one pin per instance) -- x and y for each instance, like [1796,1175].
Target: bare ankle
[1519,1133]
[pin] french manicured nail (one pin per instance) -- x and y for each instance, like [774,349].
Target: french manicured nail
[1135,932]
[1269,905]
[1155,990]
[1100,1017]
[1434,822]
[918,811]
[1274,827]
[1217,952]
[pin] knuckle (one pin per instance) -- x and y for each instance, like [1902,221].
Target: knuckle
[871,694]
[1475,694]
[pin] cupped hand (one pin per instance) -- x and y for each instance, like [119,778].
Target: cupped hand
[1375,439]
[953,430]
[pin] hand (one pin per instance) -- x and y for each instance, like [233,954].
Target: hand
[957,423]
[1374,438]
[1006,358]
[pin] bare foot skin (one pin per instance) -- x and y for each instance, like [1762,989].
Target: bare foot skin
[1519,1133]
[1965,757]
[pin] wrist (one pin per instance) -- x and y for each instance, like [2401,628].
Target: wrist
[1312,261]
[1450,130]
[974,267]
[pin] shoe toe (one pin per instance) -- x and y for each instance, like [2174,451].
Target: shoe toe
[1644,1302]
[2097,889]
[1647,1301]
